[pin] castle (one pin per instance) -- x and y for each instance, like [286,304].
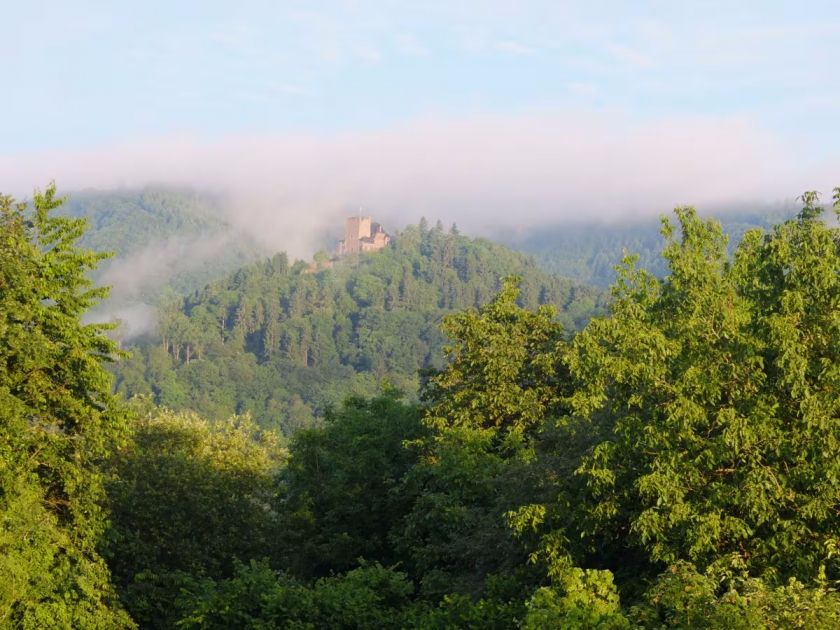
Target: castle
[361,234]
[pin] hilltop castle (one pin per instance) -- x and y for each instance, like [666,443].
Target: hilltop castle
[361,234]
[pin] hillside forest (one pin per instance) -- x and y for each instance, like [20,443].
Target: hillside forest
[437,435]
[283,341]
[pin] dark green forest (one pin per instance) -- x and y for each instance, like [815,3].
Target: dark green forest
[283,341]
[664,457]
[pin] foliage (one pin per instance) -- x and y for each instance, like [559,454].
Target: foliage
[683,598]
[177,223]
[502,376]
[370,596]
[57,420]
[589,252]
[585,599]
[342,499]
[284,341]
[188,499]
[367,597]
[711,400]
[672,465]
[483,410]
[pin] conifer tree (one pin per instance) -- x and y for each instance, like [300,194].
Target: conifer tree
[57,417]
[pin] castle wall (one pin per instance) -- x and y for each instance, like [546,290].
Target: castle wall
[361,234]
[356,229]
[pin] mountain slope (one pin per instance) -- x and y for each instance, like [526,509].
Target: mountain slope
[588,252]
[284,341]
[161,239]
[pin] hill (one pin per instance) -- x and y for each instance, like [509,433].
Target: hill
[588,252]
[161,239]
[284,341]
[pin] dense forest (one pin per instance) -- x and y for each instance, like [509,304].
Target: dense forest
[671,463]
[588,252]
[283,341]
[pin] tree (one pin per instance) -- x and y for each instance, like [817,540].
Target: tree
[503,375]
[367,597]
[188,500]
[342,484]
[317,331]
[683,598]
[503,382]
[57,420]
[713,399]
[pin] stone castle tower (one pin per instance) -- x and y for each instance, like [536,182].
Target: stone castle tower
[361,234]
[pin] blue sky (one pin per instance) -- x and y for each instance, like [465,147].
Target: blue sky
[79,74]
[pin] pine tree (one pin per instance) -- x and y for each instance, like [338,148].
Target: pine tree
[57,417]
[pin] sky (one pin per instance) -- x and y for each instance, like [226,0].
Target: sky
[541,109]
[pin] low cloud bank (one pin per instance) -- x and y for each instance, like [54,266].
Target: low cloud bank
[485,173]
[495,176]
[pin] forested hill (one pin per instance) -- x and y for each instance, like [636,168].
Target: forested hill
[589,252]
[161,238]
[282,341]
[126,222]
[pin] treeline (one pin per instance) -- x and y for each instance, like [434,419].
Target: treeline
[283,341]
[589,252]
[671,465]
[145,224]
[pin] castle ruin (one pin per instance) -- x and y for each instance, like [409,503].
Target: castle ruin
[361,234]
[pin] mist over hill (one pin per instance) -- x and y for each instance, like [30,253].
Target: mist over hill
[169,240]
[162,239]
[588,252]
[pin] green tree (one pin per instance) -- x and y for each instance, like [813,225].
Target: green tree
[188,499]
[582,600]
[483,410]
[342,485]
[712,400]
[328,333]
[683,598]
[257,597]
[57,421]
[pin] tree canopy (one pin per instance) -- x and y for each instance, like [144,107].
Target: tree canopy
[670,462]
[284,341]
[58,419]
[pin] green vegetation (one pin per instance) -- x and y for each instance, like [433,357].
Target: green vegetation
[166,222]
[285,341]
[58,420]
[186,499]
[670,465]
[164,242]
[589,252]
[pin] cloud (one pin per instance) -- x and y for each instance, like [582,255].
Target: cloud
[487,174]
[136,279]
[484,173]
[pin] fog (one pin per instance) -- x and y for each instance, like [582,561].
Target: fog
[484,173]
[136,279]
[493,176]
